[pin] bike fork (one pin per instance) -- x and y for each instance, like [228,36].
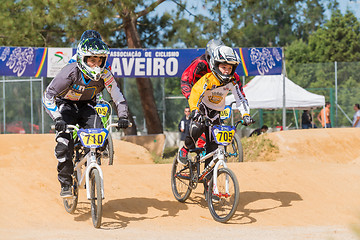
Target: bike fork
[221,161]
[92,164]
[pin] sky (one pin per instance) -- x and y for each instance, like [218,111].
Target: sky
[353,6]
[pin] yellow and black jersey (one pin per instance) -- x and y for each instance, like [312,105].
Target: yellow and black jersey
[210,92]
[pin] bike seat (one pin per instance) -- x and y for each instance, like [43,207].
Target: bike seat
[197,150]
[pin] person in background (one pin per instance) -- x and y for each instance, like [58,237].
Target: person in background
[259,131]
[184,126]
[306,120]
[356,120]
[325,122]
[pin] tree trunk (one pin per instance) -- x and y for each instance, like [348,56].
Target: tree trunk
[144,85]
[132,130]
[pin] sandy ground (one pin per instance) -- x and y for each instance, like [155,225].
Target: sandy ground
[312,191]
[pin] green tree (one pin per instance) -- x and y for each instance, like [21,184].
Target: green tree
[50,23]
[273,22]
[338,40]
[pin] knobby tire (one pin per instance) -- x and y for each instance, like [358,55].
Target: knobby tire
[96,197]
[224,209]
[181,176]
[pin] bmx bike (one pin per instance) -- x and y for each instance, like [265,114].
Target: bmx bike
[104,110]
[233,151]
[87,172]
[222,193]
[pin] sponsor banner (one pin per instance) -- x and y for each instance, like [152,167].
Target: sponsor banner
[57,59]
[47,62]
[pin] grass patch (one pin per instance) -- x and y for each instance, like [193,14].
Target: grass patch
[168,156]
[259,149]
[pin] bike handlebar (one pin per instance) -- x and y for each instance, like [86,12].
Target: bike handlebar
[70,126]
[208,122]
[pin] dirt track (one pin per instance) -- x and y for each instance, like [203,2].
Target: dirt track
[312,191]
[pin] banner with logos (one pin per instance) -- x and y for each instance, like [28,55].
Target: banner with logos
[130,63]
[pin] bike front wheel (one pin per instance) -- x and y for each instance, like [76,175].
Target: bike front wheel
[234,151]
[181,176]
[96,197]
[71,202]
[223,205]
[108,153]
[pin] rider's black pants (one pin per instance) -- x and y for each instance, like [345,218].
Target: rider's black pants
[197,129]
[82,113]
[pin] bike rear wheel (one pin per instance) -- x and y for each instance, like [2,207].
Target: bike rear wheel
[96,197]
[234,150]
[222,206]
[71,202]
[181,176]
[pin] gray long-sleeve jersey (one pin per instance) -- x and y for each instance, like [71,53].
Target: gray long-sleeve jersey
[69,84]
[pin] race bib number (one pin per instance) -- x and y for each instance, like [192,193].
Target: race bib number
[223,135]
[73,96]
[93,138]
[226,113]
[102,109]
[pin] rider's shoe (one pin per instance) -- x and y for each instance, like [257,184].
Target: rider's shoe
[66,191]
[183,156]
[215,199]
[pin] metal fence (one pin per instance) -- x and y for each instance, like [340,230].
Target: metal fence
[22,112]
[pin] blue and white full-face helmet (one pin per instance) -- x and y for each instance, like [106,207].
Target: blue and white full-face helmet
[90,34]
[224,54]
[92,47]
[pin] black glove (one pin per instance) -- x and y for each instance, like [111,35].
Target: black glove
[196,115]
[60,125]
[123,123]
[248,120]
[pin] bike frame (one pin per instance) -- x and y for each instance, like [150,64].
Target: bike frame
[91,163]
[219,160]
[90,159]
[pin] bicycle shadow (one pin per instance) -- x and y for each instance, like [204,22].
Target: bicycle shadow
[244,215]
[127,210]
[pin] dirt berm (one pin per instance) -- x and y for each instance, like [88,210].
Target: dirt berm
[312,191]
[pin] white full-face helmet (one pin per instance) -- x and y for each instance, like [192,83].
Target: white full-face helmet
[224,54]
[210,46]
[92,47]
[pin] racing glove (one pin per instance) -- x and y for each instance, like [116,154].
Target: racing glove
[196,115]
[123,123]
[248,120]
[60,125]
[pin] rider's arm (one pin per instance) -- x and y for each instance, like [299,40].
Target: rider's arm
[115,93]
[58,85]
[241,101]
[197,92]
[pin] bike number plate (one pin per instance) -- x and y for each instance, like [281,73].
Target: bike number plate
[226,113]
[93,138]
[102,109]
[223,135]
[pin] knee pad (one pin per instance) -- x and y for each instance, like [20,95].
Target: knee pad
[64,147]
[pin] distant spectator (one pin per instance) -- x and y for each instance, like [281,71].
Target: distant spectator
[306,120]
[356,121]
[321,119]
[259,131]
[184,126]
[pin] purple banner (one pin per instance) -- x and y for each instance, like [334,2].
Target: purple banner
[46,62]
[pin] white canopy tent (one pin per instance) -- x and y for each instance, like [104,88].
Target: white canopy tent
[266,92]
